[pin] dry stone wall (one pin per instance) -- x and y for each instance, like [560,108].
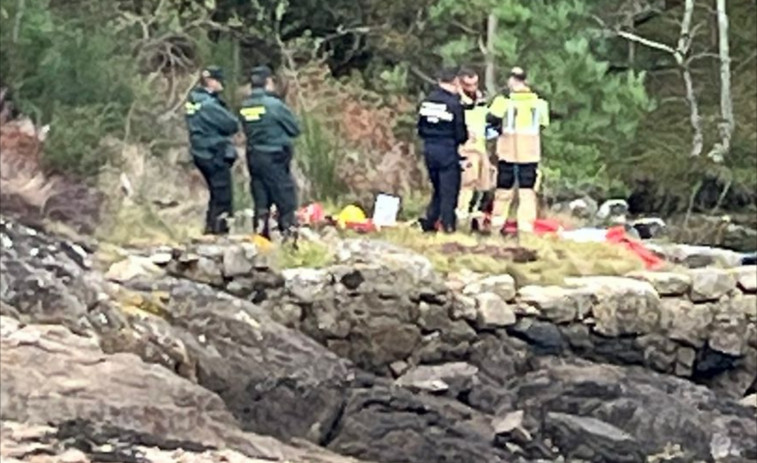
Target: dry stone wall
[387,311]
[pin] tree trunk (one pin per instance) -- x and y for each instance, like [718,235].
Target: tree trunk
[20,6]
[726,102]
[491,34]
[684,43]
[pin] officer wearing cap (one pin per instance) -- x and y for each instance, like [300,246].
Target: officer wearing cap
[211,126]
[271,129]
[441,125]
[519,116]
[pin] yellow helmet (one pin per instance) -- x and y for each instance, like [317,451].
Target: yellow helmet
[351,214]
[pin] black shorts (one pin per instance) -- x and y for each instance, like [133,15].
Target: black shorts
[526,175]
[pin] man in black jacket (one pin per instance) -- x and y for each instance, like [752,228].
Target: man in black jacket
[441,125]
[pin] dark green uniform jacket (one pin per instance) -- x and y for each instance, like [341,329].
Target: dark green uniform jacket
[268,123]
[210,124]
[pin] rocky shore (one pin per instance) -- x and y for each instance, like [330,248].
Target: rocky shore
[207,352]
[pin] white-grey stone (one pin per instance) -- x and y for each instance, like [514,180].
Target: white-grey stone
[689,323]
[746,278]
[501,285]
[710,284]
[665,283]
[623,305]
[493,312]
[306,284]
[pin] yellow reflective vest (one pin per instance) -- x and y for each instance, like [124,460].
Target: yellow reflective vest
[475,120]
[523,114]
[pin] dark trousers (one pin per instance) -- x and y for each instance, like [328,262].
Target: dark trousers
[445,174]
[217,174]
[272,183]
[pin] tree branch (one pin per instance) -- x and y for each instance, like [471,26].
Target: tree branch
[646,42]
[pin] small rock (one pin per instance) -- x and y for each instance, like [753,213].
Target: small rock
[493,312]
[583,208]
[501,285]
[238,260]
[746,278]
[728,333]
[710,284]
[665,283]
[161,258]
[438,378]
[132,267]
[552,302]
[747,304]
[306,284]
[464,307]
[508,423]
[399,368]
[749,401]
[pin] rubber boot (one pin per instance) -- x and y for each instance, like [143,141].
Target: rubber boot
[501,208]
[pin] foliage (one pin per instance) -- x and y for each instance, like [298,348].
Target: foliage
[355,70]
[595,114]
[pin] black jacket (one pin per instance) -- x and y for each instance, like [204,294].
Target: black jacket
[441,118]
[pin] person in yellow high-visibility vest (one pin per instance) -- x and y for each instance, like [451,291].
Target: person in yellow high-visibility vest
[477,173]
[520,115]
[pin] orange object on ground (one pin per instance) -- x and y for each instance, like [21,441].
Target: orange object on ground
[618,235]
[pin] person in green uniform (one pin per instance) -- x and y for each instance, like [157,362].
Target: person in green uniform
[271,129]
[211,125]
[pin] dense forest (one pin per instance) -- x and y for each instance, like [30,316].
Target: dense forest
[653,100]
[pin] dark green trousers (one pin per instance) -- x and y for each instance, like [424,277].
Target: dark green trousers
[272,183]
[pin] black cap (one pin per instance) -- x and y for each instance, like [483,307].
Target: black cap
[213,72]
[261,72]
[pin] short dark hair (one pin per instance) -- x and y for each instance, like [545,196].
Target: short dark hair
[467,72]
[259,76]
[447,75]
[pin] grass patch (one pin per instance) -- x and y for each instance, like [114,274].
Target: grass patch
[307,254]
[556,259]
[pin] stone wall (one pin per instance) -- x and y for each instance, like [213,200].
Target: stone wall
[386,310]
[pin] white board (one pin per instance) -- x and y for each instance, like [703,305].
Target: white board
[385,210]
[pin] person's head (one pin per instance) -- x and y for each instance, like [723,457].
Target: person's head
[448,80]
[262,77]
[212,79]
[517,79]
[469,82]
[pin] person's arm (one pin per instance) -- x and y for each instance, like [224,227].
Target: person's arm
[220,118]
[287,120]
[497,111]
[461,130]
[544,113]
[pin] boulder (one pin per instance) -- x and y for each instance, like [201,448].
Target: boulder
[493,312]
[133,267]
[613,211]
[665,283]
[607,413]
[709,284]
[51,376]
